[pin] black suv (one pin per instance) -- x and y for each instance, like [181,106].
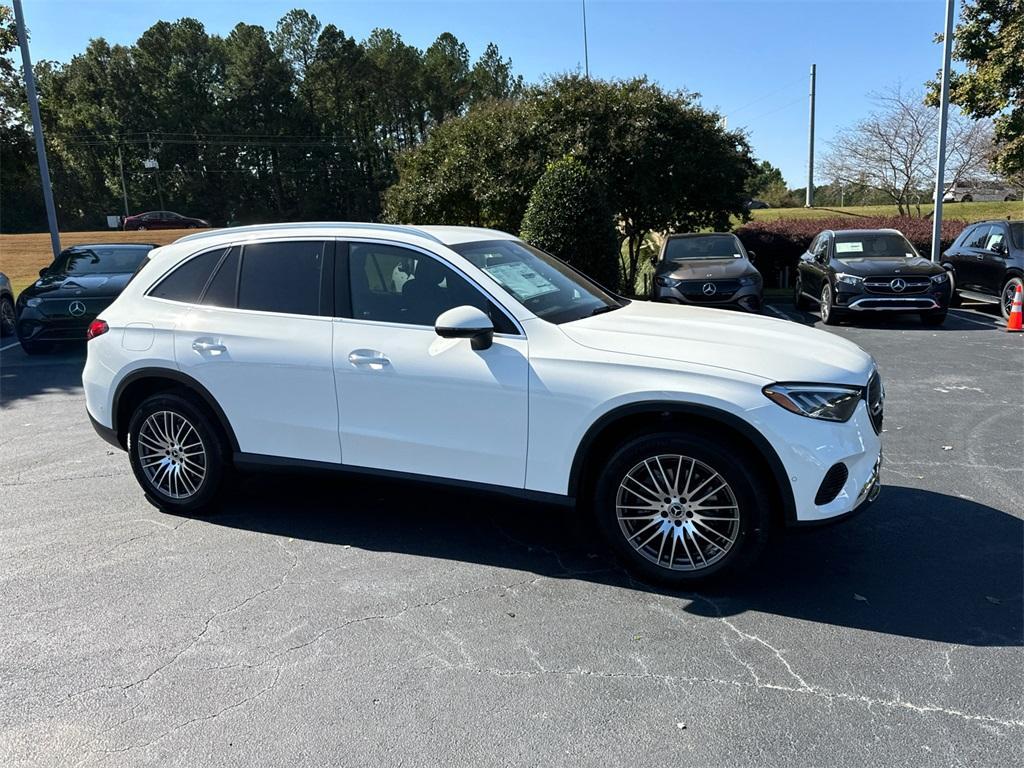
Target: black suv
[987,262]
[850,271]
[76,287]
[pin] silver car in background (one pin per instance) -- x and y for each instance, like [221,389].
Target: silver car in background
[712,269]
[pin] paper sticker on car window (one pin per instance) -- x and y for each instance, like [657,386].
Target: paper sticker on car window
[849,247]
[521,280]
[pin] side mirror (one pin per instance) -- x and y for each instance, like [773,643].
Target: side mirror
[43,271]
[999,248]
[752,255]
[466,322]
[806,257]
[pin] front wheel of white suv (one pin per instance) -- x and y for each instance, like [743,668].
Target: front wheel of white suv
[680,509]
[177,454]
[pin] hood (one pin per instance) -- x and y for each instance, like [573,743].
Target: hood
[776,350]
[899,265]
[61,286]
[706,269]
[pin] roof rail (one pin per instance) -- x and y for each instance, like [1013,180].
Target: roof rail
[397,228]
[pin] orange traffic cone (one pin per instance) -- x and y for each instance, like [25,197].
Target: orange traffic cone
[1013,323]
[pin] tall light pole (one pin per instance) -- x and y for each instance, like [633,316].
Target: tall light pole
[940,159]
[586,53]
[37,129]
[809,200]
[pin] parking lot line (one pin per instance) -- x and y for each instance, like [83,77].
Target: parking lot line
[990,324]
[778,312]
[9,346]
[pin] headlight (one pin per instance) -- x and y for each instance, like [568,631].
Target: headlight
[750,280]
[940,278]
[33,302]
[842,277]
[830,402]
[667,282]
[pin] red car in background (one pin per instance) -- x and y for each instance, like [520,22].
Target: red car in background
[162,220]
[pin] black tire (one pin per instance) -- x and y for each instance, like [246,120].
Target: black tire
[1009,199]
[966,199]
[710,454]
[933,318]
[954,294]
[141,228]
[1006,296]
[198,500]
[799,300]
[829,315]
[6,316]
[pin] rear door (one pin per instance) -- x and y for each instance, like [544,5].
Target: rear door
[260,342]
[411,401]
[972,254]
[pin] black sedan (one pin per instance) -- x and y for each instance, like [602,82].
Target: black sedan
[69,293]
[870,271]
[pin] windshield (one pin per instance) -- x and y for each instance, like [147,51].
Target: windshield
[873,245]
[547,286]
[703,247]
[98,260]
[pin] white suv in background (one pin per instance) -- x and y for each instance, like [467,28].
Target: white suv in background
[466,356]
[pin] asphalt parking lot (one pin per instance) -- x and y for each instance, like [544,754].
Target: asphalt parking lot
[317,621]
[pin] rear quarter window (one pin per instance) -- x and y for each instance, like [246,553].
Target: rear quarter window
[186,282]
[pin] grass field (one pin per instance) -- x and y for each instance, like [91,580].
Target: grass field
[22,256]
[967,211]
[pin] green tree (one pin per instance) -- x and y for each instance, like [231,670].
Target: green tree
[568,215]
[989,40]
[446,81]
[492,77]
[765,177]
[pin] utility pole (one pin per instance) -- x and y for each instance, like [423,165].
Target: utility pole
[37,130]
[809,201]
[940,159]
[124,188]
[156,169]
[586,54]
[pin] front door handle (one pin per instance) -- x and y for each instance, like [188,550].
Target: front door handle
[369,358]
[202,345]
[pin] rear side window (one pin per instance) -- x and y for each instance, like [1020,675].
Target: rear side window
[282,277]
[186,283]
[977,237]
[222,289]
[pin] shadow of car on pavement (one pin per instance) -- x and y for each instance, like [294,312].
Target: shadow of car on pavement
[917,563]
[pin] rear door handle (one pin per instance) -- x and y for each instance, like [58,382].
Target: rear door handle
[202,345]
[368,358]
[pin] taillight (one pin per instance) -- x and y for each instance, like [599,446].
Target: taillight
[96,328]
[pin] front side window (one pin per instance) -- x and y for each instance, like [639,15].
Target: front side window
[186,283]
[821,251]
[282,277]
[873,245]
[996,238]
[548,287]
[398,285]
[99,260]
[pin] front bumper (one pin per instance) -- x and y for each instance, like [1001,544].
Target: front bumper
[854,299]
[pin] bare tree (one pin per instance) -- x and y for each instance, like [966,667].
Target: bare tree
[893,148]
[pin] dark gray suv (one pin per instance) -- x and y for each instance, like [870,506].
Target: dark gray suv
[712,269]
[986,262]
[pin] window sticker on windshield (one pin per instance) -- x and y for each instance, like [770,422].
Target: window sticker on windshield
[849,247]
[521,280]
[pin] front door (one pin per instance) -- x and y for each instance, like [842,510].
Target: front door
[410,401]
[261,345]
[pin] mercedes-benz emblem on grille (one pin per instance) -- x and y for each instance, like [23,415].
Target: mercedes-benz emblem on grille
[76,308]
[898,285]
[709,289]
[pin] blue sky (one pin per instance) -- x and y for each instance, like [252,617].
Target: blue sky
[750,60]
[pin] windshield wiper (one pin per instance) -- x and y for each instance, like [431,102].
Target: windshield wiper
[606,308]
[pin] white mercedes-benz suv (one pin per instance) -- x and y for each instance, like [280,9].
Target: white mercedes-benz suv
[466,356]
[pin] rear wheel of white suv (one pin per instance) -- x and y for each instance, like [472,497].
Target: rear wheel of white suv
[177,453]
[680,509]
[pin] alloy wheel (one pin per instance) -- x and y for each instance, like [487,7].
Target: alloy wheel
[172,454]
[1009,291]
[826,303]
[6,317]
[677,512]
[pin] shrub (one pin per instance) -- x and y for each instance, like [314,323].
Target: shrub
[779,243]
[568,215]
